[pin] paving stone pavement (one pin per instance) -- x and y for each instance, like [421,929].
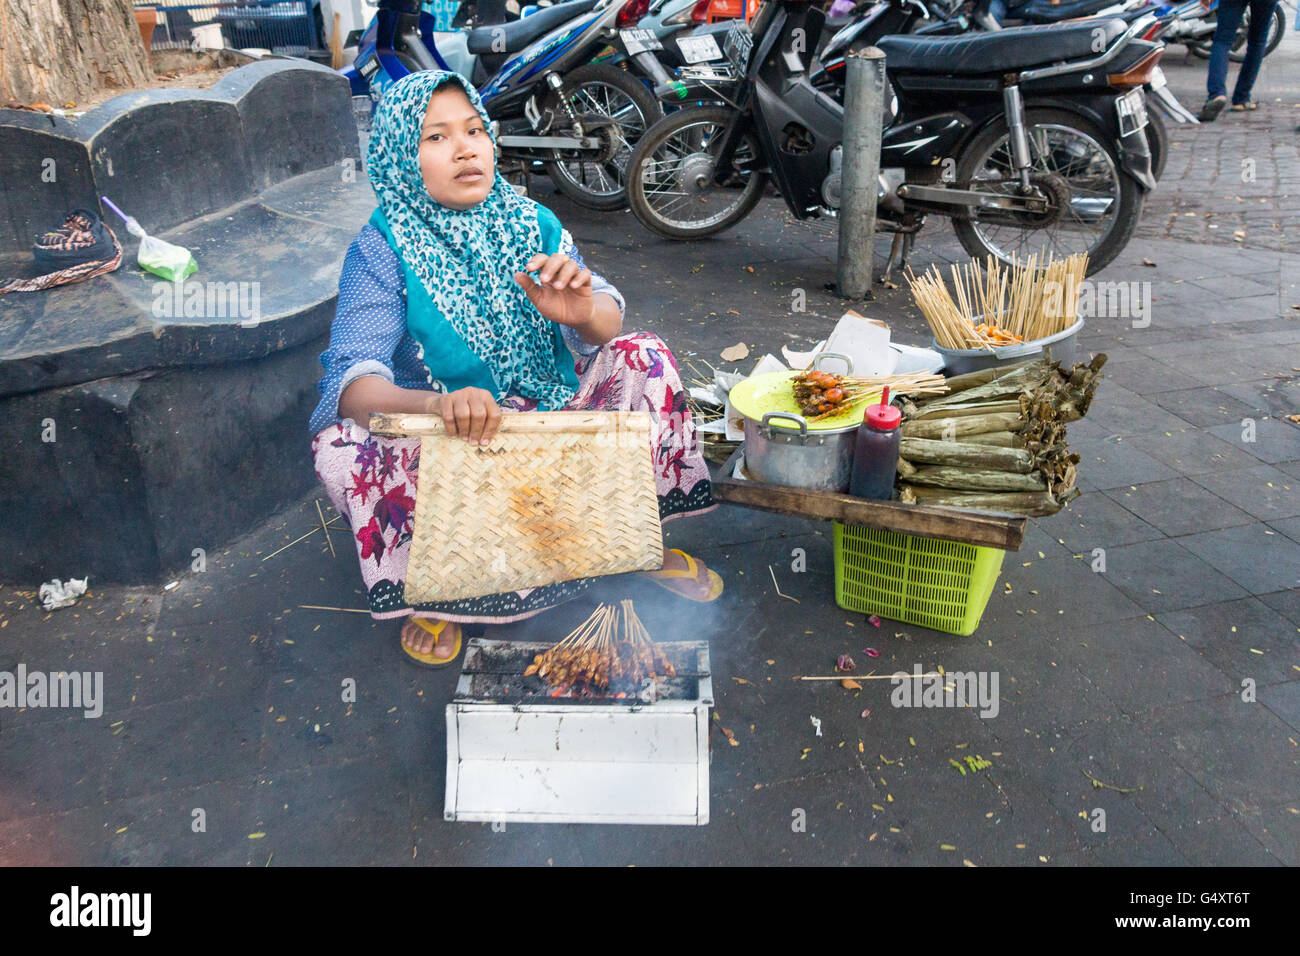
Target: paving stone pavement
[1237,180]
[1124,632]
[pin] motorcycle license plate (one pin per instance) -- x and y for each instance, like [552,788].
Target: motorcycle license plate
[699,49]
[639,40]
[1132,111]
[737,46]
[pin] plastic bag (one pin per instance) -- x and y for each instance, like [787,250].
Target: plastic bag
[161,258]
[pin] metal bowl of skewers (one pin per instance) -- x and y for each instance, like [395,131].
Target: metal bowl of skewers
[1009,352]
[801,426]
[997,315]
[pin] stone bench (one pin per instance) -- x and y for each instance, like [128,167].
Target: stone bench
[141,422]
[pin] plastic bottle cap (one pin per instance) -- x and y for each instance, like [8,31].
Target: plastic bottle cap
[883,417]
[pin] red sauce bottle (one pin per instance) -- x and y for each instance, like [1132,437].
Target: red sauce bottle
[875,456]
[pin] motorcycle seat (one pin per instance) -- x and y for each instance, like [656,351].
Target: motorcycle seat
[1050,11]
[1016,48]
[513,37]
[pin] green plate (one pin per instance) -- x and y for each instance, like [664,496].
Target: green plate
[774,392]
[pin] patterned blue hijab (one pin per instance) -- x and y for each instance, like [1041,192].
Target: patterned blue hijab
[466,259]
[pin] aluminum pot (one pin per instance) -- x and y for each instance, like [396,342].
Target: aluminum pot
[820,459]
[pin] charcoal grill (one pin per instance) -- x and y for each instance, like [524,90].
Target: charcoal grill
[517,751]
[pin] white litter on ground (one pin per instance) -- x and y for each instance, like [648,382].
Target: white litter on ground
[56,594]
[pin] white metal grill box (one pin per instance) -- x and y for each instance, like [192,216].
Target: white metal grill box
[516,753]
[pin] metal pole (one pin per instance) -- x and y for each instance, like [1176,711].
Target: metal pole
[864,111]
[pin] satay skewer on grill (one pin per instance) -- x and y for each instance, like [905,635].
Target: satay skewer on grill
[611,646]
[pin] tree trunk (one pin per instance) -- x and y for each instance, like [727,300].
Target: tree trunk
[61,51]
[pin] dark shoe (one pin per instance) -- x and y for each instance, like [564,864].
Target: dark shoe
[82,238]
[1212,108]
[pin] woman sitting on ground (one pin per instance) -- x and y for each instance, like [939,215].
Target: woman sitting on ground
[437,313]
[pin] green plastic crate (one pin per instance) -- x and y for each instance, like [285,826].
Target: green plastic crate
[939,584]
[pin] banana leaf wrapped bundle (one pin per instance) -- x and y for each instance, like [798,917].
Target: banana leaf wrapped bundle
[997,440]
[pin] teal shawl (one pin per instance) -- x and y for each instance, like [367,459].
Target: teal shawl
[474,323]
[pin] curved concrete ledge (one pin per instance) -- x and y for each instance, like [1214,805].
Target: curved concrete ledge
[170,156]
[142,419]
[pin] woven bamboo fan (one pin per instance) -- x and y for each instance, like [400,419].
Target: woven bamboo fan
[556,496]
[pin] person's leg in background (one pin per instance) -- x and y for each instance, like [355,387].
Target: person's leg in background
[1261,18]
[1216,82]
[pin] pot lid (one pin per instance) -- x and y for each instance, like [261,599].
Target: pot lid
[774,392]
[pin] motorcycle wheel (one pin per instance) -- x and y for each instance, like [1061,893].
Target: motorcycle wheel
[1276,30]
[1101,195]
[604,90]
[672,186]
[1157,142]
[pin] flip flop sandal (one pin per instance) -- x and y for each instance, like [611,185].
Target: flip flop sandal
[1212,108]
[436,629]
[665,579]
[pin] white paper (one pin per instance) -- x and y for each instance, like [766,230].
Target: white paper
[726,381]
[912,359]
[865,341]
[735,423]
[768,363]
[707,393]
[801,360]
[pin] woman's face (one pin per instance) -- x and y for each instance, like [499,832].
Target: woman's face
[457,160]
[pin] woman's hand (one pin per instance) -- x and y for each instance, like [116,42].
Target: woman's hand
[469,413]
[564,295]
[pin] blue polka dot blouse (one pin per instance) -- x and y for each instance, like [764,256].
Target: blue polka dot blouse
[369,336]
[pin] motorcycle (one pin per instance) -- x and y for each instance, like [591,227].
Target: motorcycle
[1194,27]
[1021,135]
[875,21]
[678,51]
[1189,23]
[911,16]
[551,104]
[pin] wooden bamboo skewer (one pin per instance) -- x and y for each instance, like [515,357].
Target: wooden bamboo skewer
[851,676]
[325,528]
[299,538]
[1033,299]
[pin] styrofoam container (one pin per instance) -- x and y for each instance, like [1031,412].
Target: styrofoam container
[1064,346]
[208,37]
